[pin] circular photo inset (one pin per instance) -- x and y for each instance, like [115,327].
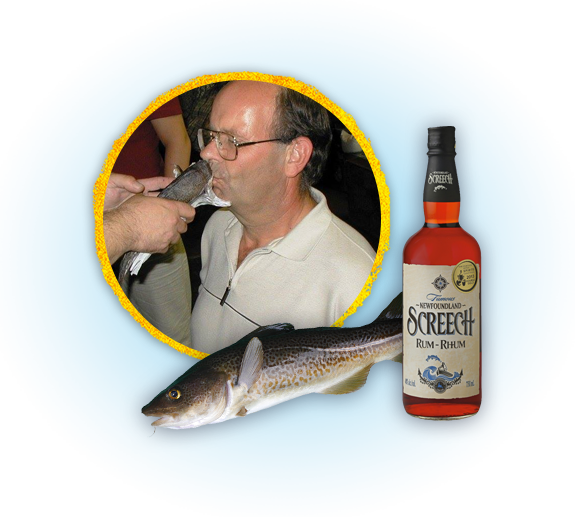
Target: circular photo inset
[236,202]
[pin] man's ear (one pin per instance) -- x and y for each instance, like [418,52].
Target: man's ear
[298,155]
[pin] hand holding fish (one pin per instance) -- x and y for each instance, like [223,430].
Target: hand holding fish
[145,224]
[193,186]
[122,187]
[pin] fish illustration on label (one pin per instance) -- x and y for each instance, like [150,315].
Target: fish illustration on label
[438,378]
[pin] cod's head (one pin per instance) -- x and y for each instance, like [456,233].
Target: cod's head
[190,402]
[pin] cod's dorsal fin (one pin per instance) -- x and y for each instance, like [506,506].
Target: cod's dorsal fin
[252,362]
[264,332]
[351,384]
[270,330]
[394,310]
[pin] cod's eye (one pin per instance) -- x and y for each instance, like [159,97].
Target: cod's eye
[174,394]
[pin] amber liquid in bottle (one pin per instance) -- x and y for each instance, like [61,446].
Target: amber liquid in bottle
[441,242]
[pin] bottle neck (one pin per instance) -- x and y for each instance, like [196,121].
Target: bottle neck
[441,214]
[441,192]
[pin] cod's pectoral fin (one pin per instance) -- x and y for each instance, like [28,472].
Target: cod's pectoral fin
[349,385]
[242,412]
[398,358]
[252,363]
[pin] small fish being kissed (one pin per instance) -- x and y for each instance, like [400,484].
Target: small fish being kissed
[193,186]
[275,364]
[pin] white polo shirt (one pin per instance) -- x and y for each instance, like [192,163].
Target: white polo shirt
[308,278]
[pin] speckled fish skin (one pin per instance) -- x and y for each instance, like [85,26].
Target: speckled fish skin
[186,187]
[295,363]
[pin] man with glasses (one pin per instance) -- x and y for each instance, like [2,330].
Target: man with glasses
[277,254]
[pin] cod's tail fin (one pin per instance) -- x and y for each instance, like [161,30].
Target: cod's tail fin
[393,315]
[394,310]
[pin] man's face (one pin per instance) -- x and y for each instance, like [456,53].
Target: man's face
[245,110]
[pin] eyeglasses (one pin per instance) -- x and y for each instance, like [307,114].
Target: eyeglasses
[226,144]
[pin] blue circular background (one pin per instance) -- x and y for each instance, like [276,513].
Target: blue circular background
[315,445]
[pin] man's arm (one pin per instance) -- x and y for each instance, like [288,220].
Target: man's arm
[146,224]
[173,134]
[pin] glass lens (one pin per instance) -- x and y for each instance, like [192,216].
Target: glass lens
[224,142]
[226,146]
[204,138]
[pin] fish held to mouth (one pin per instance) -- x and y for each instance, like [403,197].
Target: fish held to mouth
[192,186]
[275,364]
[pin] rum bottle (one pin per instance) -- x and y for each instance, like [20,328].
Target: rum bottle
[441,298]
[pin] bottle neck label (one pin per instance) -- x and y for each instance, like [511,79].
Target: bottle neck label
[441,183]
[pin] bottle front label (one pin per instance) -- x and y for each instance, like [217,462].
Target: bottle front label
[441,330]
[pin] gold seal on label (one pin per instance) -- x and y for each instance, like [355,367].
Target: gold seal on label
[465,276]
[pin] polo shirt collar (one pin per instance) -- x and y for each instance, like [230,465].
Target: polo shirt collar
[298,243]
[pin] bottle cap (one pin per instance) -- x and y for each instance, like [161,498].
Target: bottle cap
[441,140]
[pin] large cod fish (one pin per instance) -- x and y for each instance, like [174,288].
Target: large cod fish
[275,364]
[193,186]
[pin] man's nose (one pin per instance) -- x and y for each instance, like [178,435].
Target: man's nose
[210,152]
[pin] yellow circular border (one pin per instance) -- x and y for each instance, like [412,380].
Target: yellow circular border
[311,92]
